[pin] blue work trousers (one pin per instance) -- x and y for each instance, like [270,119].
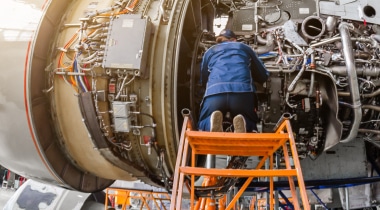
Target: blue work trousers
[235,103]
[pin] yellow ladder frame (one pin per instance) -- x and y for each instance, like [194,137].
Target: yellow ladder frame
[237,144]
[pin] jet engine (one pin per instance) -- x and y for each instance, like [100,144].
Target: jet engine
[105,81]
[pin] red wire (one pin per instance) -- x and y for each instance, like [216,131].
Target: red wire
[86,81]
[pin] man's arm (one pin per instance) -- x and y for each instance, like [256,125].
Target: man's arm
[259,72]
[204,70]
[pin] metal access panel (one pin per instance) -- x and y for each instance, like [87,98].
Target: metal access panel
[343,161]
[274,12]
[360,10]
[244,22]
[127,44]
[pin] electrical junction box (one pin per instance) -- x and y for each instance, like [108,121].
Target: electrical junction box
[121,116]
[127,44]
[122,124]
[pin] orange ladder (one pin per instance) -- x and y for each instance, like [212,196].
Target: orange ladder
[123,196]
[263,145]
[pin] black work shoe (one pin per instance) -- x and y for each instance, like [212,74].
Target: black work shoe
[239,124]
[216,121]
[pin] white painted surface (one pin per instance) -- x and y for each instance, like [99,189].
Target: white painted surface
[5,194]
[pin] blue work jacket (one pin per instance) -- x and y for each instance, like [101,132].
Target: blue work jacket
[231,67]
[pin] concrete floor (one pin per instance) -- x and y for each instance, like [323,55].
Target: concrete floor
[5,194]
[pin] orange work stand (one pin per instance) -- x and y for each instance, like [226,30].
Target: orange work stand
[160,199]
[263,145]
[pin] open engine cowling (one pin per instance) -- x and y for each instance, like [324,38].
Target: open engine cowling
[105,82]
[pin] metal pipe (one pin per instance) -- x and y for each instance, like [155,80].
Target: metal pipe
[256,18]
[102,11]
[334,39]
[187,113]
[376,37]
[327,41]
[347,198]
[261,40]
[311,88]
[352,80]
[331,23]
[325,71]
[210,161]
[269,44]
[313,27]
[374,107]
[363,71]
[333,183]
[362,130]
[285,116]
[373,94]
[280,69]
[317,7]
[295,45]
[295,80]
[72,25]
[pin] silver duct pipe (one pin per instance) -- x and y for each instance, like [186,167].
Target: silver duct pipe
[211,161]
[369,131]
[269,44]
[375,40]
[331,23]
[352,80]
[374,107]
[376,37]
[367,95]
[261,40]
[334,39]
[313,27]
[363,71]
[318,8]
[373,94]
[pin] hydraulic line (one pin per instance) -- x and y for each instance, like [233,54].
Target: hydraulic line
[353,81]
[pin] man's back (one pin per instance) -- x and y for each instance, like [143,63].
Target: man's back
[229,68]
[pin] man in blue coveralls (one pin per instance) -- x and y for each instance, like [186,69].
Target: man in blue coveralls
[231,68]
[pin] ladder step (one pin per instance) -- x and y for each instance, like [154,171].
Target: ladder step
[229,142]
[238,172]
[231,151]
[236,136]
[240,144]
